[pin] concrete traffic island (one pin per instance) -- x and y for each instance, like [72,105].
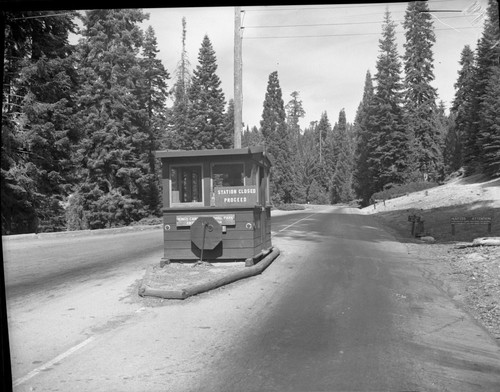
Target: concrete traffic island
[183,280]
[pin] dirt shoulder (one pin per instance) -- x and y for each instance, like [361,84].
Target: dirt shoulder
[470,275]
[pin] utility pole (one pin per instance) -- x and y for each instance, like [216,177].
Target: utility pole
[238,76]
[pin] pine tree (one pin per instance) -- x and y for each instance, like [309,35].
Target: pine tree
[294,112]
[38,82]
[207,103]
[177,135]
[489,137]
[389,141]
[363,176]
[251,137]
[463,109]
[487,98]
[229,118]
[442,124]
[325,157]
[153,95]
[277,141]
[273,115]
[113,152]
[452,152]
[184,66]
[341,182]
[420,97]
[307,164]
[308,170]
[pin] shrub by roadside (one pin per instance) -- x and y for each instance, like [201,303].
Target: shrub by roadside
[148,221]
[289,207]
[393,191]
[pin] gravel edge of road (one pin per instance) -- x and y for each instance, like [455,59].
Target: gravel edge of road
[468,281]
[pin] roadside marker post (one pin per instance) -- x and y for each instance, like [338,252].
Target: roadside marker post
[417,225]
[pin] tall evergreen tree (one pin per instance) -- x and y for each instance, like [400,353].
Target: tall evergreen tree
[178,128]
[251,137]
[229,118]
[487,98]
[324,152]
[183,70]
[277,141]
[308,169]
[38,82]
[207,103]
[363,177]
[442,123]
[273,115]
[452,152]
[487,57]
[489,136]
[463,109]
[389,141]
[294,112]
[341,182]
[420,97]
[113,152]
[153,93]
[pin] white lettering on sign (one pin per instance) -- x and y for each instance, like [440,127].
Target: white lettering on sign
[235,200]
[188,220]
[239,196]
[471,219]
[234,191]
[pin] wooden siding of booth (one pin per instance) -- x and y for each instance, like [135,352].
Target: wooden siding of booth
[250,234]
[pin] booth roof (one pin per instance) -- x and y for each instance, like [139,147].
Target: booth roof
[212,153]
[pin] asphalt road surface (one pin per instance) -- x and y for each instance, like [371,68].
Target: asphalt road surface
[345,307]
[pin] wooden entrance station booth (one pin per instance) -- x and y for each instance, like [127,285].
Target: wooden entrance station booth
[216,205]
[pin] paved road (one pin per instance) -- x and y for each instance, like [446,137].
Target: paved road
[344,308]
[37,264]
[359,317]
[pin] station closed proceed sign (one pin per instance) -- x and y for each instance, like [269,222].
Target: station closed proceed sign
[235,196]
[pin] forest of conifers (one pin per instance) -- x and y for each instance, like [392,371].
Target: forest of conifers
[81,123]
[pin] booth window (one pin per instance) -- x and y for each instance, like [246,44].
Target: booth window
[228,174]
[186,184]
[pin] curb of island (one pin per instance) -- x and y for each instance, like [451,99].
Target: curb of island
[183,293]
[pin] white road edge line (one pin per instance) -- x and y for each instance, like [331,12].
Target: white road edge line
[59,358]
[279,231]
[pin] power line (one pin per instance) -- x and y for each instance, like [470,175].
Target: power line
[333,7]
[339,35]
[332,24]
[42,16]
[312,25]
[313,36]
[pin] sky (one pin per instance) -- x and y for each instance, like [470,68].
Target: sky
[321,51]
